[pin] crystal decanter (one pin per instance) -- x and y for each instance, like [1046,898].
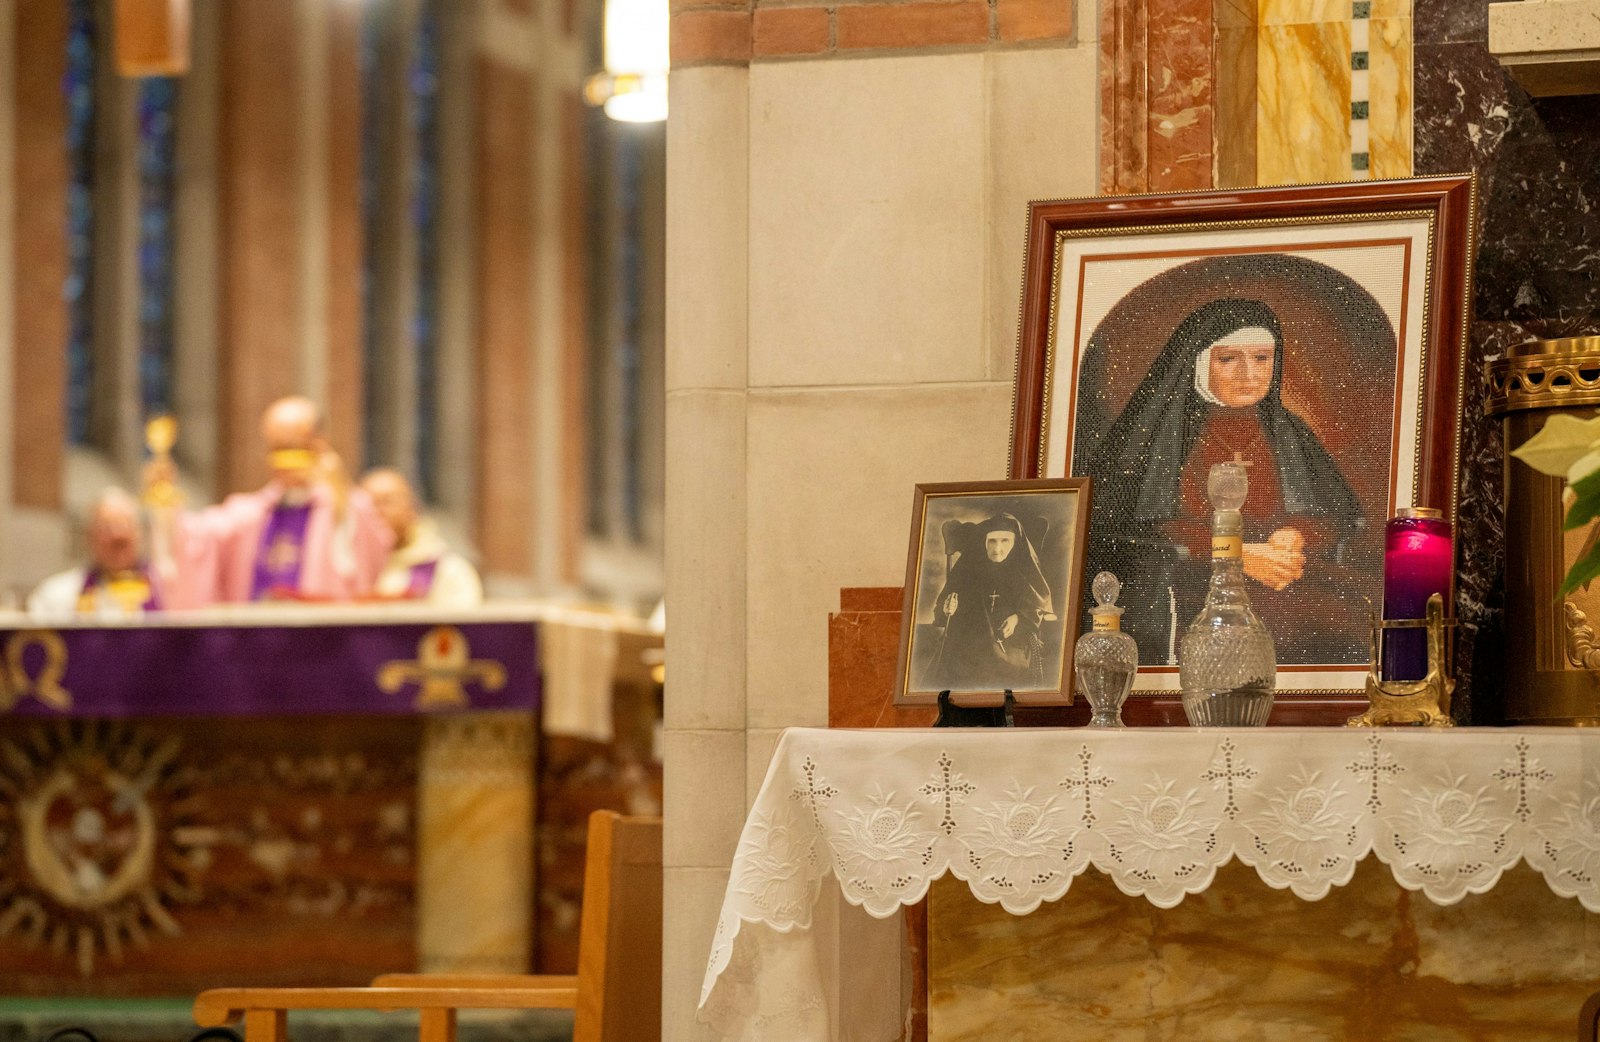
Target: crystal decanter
[1226,665]
[1106,658]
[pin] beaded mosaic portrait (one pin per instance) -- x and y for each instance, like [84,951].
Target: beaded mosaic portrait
[1302,341]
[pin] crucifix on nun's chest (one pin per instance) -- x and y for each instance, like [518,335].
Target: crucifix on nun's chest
[1238,457]
[992,598]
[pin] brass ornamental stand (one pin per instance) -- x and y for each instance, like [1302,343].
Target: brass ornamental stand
[1552,672]
[1399,703]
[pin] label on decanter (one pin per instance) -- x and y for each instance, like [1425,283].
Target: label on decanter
[1111,622]
[1227,546]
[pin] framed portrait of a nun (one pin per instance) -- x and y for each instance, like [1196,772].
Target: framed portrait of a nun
[1315,334]
[992,577]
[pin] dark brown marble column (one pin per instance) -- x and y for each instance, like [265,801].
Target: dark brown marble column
[41,324]
[259,262]
[575,341]
[345,245]
[505,315]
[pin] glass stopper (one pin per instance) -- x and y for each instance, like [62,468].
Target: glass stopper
[1227,486]
[1106,587]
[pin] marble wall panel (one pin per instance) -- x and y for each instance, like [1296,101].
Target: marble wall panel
[1303,99]
[1181,96]
[1370,962]
[1300,12]
[1538,273]
[1124,89]
[1389,96]
[1236,88]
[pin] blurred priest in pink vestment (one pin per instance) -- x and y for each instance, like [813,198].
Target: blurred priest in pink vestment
[307,534]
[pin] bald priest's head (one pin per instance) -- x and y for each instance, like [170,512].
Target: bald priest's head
[292,430]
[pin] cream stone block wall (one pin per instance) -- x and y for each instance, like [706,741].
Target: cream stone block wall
[705,551]
[711,780]
[760,744]
[866,221]
[691,899]
[706,217]
[844,247]
[830,487]
[1042,146]
[707,326]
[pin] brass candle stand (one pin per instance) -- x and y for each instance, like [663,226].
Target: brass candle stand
[1414,703]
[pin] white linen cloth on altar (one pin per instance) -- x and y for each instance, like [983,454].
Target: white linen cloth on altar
[1018,814]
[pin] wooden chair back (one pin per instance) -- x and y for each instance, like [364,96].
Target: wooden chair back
[616,994]
[619,939]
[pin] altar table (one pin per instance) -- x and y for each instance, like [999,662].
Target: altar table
[312,794]
[1017,816]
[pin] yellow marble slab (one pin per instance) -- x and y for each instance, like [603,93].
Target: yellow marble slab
[1234,111]
[1245,963]
[1389,44]
[1296,12]
[1303,103]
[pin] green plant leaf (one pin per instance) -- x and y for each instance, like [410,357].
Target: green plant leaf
[1583,571]
[1586,504]
[1562,442]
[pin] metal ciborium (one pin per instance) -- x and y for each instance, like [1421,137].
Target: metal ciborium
[1401,703]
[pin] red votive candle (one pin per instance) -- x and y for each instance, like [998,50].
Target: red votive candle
[1418,562]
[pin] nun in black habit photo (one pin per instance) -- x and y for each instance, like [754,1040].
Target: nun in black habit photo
[994,600]
[1213,395]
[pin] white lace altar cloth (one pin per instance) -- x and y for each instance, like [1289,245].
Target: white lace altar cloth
[1018,814]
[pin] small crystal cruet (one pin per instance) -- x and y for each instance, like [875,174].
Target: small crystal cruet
[1106,658]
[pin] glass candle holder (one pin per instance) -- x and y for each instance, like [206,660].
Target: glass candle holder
[1418,562]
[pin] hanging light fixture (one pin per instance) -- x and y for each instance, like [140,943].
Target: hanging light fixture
[633,88]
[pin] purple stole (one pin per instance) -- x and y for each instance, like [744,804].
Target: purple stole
[281,551]
[421,579]
[95,578]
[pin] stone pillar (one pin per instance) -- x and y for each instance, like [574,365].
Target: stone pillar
[844,244]
[475,837]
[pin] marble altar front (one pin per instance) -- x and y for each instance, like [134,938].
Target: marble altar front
[351,792]
[1371,962]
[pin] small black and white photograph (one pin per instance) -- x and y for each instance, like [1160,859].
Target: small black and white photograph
[993,580]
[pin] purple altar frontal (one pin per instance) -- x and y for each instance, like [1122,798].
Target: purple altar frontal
[195,668]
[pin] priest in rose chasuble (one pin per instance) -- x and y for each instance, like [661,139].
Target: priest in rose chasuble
[306,534]
[422,566]
[1214,395]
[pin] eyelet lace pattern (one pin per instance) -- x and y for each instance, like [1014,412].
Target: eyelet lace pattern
[1018,815]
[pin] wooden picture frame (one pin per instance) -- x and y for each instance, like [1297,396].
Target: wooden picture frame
[993,576]
[1361,294]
